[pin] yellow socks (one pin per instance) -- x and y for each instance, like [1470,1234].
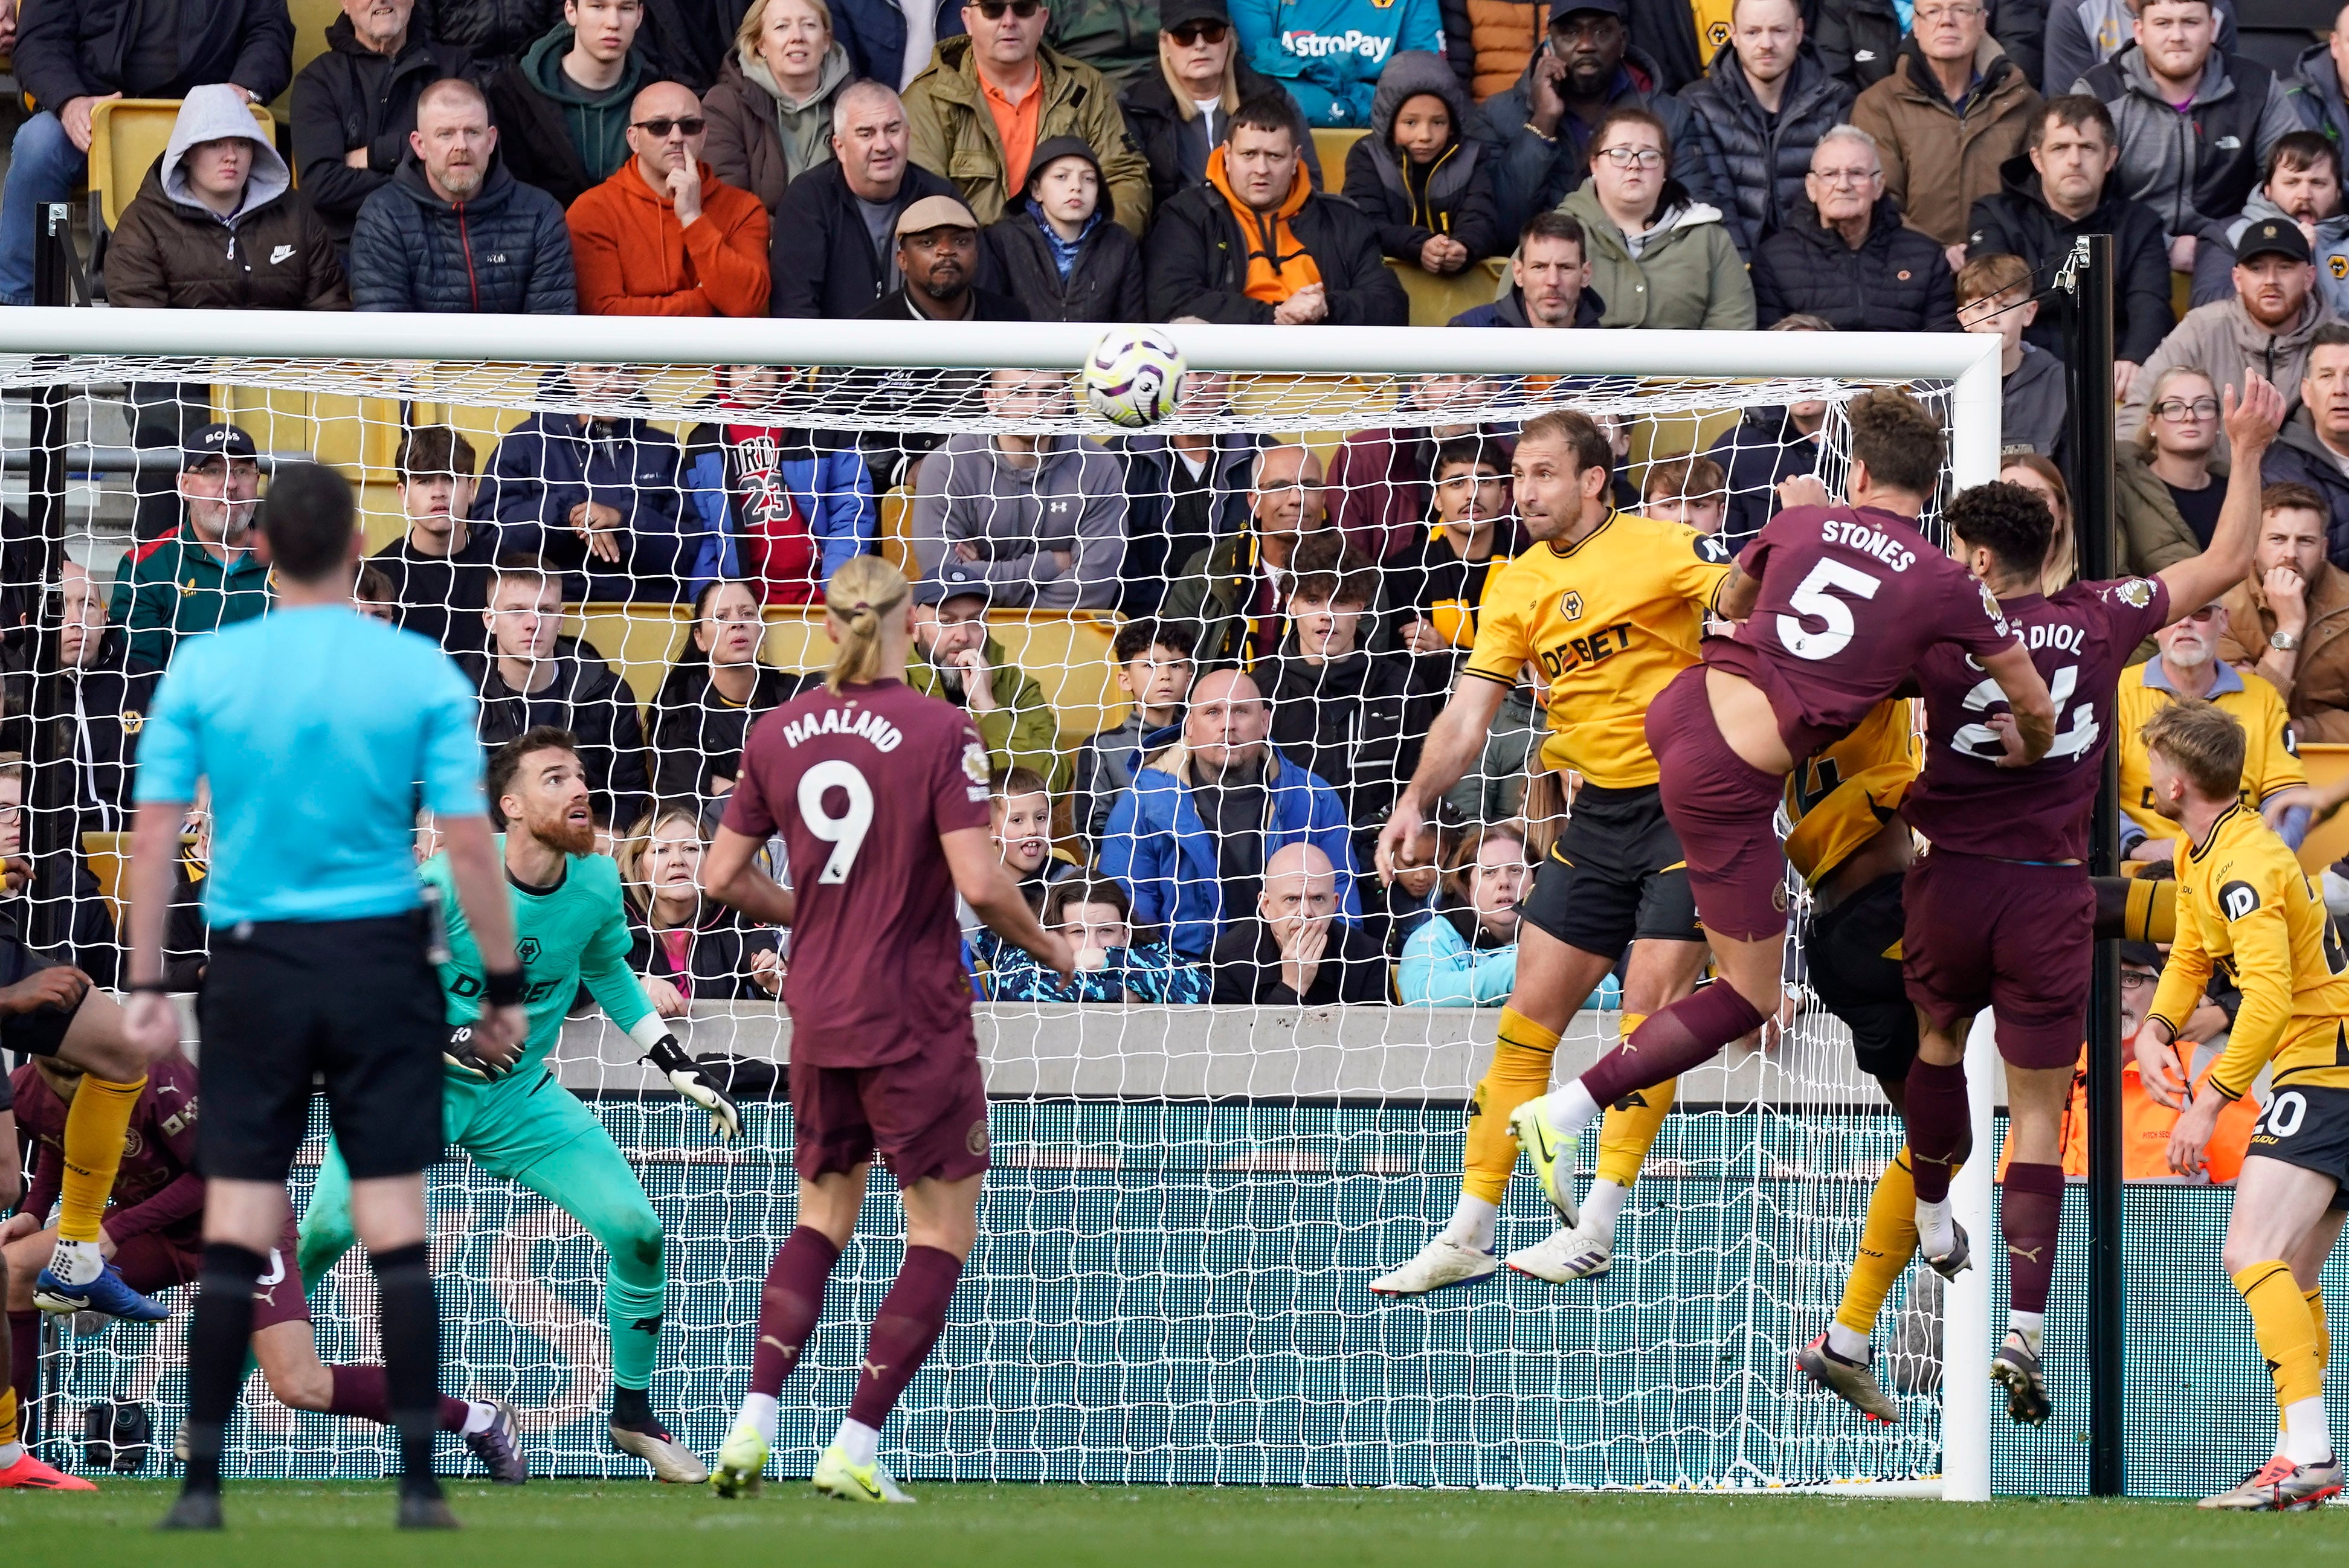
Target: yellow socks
[1520,1071]
[1629,1129]
[96,1126]
[2287,1334]
[8,1416]
[2316,1299]
[1886,1242]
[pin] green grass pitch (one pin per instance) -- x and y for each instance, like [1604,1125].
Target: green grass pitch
[593,1525]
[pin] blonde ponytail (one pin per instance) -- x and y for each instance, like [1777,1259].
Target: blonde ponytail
[860,595]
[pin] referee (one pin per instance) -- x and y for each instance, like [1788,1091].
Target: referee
[322,732]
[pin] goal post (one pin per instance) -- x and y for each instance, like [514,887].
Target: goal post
[1188,1200]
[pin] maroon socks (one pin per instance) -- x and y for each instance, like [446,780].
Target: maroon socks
[790,1305]
[1939,1126]
[1685,1036]
[911,1318]
[2031,1209]
[363,1392]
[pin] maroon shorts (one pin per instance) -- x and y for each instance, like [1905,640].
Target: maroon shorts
[925,1115]
[1725,810]
[2018,939]
[151,1263]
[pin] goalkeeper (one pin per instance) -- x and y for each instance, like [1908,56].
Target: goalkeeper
[510,1115]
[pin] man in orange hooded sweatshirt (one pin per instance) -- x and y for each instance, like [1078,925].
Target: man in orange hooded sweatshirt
[663,236]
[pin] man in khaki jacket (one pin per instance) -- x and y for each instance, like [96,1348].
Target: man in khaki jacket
[2290,619]
[989,100]
[1952,110]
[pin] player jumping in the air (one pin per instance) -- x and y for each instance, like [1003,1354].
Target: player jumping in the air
[154,1229]
[2245,906]
[881,796]
[1834,605]
[1611,606]
[513,1118]
[1999,911]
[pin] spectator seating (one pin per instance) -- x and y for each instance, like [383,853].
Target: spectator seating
[1331,147]
[1435,299]
[311,20]
[1068,652]
[107,855]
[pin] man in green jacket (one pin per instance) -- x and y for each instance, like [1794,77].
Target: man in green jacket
[977,87]
[955,658]
[1233,596]
[204,576]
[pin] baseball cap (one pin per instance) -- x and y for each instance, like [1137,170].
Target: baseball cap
[212,441]
[1172,14]
[934,213]
[955,580]
[2277,236]
[2141,955]
[1615,8]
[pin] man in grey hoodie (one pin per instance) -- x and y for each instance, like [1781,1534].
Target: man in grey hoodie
[2303,184]
[2267,324]
[1038,520]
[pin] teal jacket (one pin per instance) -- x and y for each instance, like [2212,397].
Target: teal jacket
[1442,968]
[172,587]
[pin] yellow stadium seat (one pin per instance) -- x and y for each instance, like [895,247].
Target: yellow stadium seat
[897,542]
[641,641]
[311,20]
[1330,147]
[2327,841]
[126,137]
[107,855]
[1436,300]
[1069,654]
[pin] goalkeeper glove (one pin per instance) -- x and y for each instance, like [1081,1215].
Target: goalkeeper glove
[458,1055]
[692,1080]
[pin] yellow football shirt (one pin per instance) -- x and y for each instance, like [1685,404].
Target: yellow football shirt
[1841,798]
[2270,763]
[2246,909]
[1715,21]
[1609,620]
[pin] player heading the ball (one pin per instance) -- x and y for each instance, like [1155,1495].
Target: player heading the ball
[880,794]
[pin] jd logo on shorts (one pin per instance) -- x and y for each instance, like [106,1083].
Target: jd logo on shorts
[2238,900]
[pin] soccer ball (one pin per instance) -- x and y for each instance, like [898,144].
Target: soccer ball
[1134,377]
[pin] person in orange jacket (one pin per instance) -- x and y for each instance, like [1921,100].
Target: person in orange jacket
[2146,1122]
[664,236]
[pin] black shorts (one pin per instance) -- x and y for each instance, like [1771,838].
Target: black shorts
[351,1001]
[1615,875]
[42,1031]
[1852,952]
[2308,1127]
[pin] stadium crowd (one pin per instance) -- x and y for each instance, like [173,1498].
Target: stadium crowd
[1291,619]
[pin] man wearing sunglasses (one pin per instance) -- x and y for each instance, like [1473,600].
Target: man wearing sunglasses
[989,100]
[1181,111]
[2188,666]
[664,236]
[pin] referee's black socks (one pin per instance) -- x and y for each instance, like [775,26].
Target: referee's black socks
[217,1341]
[411,1359]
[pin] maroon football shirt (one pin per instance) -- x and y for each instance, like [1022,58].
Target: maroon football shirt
[2080,641]
[1850,600]
[157,1188]
[862,785]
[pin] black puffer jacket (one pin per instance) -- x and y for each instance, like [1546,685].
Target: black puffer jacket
[1531,175]
[1356,722]
[1177,148]
[490,29]
[351,96]
[1859,39]
[1408,205]
[170,253]
[507,252]
[1198,264]
[2017,221]
[590,699]
[1766,155]
[1897,281]
[1105,284]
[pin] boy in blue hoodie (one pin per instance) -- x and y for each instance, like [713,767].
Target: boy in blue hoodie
[1418,176]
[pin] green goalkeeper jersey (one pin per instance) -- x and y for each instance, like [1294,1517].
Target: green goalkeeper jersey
[575,931]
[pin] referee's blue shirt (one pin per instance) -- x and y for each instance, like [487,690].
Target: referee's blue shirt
[322,732]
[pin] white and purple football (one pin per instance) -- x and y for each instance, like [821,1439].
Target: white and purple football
[1134,376]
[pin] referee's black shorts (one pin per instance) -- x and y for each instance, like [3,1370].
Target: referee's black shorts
[352,1001]
[1615,875]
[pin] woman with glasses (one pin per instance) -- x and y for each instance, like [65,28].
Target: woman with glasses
[770,113]
[1181,111]
[1658,257]
[2168,486]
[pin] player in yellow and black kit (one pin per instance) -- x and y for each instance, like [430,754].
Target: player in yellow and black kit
[1609,606]
[2245,907]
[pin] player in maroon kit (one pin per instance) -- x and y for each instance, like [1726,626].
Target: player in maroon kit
[1835,606]
[2000,913]
[155,1234]
[880,794]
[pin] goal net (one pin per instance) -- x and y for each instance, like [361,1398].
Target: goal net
[1187,1200]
